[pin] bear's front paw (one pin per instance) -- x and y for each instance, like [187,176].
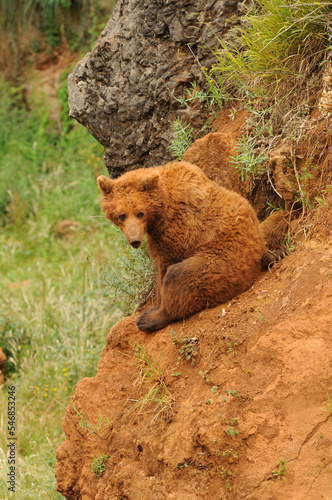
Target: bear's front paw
[273,256]
[153,319]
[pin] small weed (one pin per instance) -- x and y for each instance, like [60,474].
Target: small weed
[191,96]
[259,314]
[182,138]
[249,161]
[98,428]
[157,399]
[232,432]
[204,374]
[233,393]
[226,474]
[187,347]
[133,279]
[231,345]
[321,200]
[329,405]
[280,470]
[98,465]
[227,457]
[230,454]
[206,402]
[270,207]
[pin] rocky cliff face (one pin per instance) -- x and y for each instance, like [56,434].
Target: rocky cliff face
[121,90]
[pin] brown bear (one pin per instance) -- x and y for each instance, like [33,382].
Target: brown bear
[205,240]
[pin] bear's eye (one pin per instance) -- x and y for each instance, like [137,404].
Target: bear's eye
[122,217]
[140,215]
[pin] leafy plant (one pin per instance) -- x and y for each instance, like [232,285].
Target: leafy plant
[191,96]
[260,315]
[98,465]
[131,281]
[204,374]
[232,431]
[233,392]
[280,470]
[182,138]
[249,161]
[226,474]
[187,347]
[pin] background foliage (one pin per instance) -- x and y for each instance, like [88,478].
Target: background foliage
[29,27]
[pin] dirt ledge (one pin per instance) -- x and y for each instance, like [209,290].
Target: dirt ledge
[265,359]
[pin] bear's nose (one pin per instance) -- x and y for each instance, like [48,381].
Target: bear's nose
[135,243]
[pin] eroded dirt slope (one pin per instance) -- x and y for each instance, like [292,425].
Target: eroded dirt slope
[256,396]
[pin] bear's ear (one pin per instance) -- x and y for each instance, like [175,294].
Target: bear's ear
[105,184]
[149,183]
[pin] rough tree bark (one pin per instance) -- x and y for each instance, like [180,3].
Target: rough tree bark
[121,89]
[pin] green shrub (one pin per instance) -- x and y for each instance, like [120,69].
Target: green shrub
[248,161]
[98,465]
[182,138]
[130,279]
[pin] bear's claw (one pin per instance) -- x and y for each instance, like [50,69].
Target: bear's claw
[273,256]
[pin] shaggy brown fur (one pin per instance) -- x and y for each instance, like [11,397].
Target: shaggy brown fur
[206,241]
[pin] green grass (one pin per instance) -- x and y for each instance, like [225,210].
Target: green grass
[156,399]
[53,315]
[279,45]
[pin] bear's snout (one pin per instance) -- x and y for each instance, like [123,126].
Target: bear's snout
[135,243]
[134,232]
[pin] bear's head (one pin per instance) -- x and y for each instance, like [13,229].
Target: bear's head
[133,202]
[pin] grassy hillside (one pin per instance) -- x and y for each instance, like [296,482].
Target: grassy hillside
[53,314]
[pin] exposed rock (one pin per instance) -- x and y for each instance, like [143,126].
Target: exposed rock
[280,164]
[121,90]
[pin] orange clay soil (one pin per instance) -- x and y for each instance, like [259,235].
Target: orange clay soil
[256,395]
